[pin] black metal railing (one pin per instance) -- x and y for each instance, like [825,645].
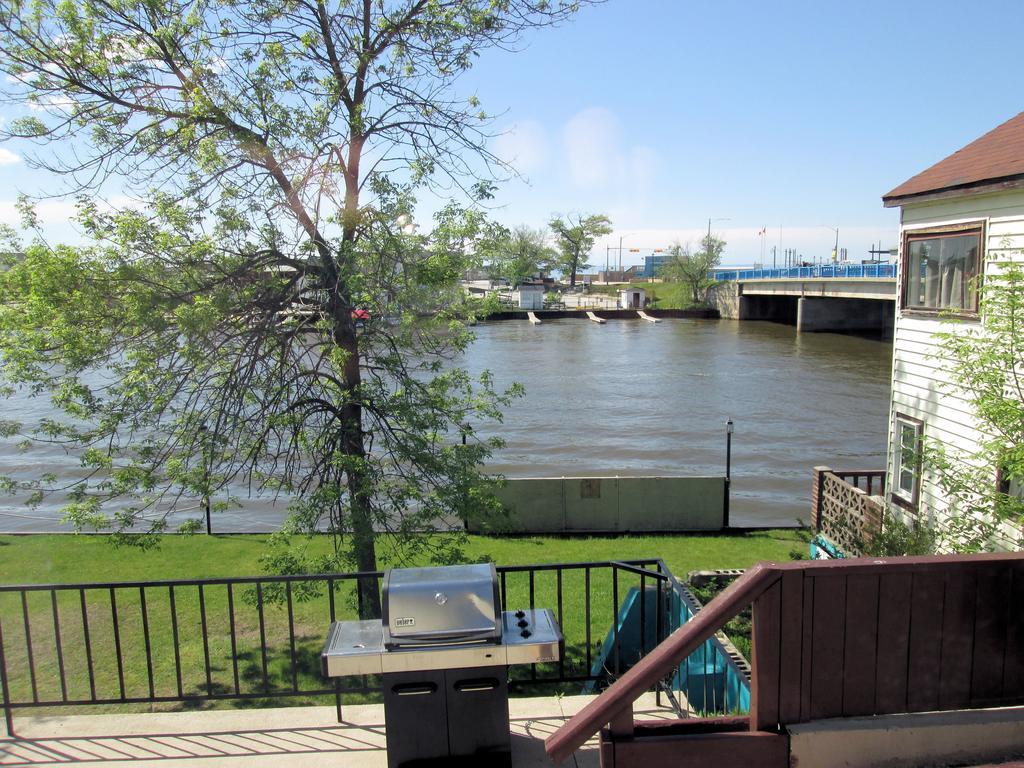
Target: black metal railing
[714,679]
[259,638]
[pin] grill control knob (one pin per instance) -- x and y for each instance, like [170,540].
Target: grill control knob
[523,623]
[519,614]
[526,633]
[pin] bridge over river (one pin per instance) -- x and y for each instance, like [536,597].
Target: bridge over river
[844,298]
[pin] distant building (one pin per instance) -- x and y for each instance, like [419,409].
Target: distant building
[652,265]
[616,276]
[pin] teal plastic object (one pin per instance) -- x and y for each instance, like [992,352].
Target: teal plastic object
[707,678]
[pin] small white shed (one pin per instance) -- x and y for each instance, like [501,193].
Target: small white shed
[531,296]
[632,298]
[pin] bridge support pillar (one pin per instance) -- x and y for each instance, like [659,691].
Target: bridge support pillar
[725,297]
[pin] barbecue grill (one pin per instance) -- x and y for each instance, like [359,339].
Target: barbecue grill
[443,648]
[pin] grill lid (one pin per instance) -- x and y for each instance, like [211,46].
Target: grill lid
[444,604]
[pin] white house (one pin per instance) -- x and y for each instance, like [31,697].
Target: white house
[958,220]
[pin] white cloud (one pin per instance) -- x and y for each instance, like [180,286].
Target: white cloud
[8,158]
[591,147]
[51,103]
[524,146]
[642,166]
[50,212]
[599,157]
[57,216]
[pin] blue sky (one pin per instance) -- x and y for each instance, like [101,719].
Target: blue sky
[796,116]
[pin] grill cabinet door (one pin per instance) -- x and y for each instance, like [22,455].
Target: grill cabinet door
[478,713]
[415,717]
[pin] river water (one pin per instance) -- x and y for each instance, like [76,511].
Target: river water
[635,398]
[632,398]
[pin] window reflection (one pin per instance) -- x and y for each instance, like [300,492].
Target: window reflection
[942,270]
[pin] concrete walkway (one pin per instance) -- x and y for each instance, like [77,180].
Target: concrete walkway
[293,737]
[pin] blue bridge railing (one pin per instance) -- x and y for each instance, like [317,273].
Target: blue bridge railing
[819,270]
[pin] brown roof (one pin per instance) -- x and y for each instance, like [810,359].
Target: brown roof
[998,156]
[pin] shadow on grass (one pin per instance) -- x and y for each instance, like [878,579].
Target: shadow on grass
[277,683]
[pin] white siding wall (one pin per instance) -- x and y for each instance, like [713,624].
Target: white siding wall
[920,377]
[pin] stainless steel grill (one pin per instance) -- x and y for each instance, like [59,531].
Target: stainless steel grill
[443,647]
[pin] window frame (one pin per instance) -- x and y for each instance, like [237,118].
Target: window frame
[897,494]
[931,233]
[1003,484]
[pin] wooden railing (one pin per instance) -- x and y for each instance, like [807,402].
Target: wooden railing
[615,705]
[845,507]
[838,638]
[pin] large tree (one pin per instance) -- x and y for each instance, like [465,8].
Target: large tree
[520,253]
[693,270]
[576,234]
[273,146]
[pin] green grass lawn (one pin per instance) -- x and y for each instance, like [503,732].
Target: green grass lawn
[62,559]
[77,559]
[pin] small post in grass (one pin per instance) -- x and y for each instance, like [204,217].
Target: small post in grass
[206,477]
[728,471]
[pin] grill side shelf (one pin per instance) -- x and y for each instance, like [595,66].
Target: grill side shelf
[544,641]
[353,648]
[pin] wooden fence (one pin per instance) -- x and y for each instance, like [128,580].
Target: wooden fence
[853,638]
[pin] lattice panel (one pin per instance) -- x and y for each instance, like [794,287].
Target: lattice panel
[849,517]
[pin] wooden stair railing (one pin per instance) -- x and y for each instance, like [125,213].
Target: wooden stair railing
[848,638]
[615,705]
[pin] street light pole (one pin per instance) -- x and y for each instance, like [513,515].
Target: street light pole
[621,238]
[204,436]
[728,472]
[707,243]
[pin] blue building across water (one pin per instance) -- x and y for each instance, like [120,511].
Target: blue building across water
[652,264]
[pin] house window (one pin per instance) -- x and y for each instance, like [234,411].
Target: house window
[1011,486]
[906,460]
[940,270]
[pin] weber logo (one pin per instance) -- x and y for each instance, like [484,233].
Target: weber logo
[409,622]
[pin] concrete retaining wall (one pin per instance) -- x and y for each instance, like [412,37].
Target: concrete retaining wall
[966,737]
[607,314]
[614,504]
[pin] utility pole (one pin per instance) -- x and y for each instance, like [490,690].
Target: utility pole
[707,243]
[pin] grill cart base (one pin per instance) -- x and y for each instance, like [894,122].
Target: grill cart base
[447,717]
[443,648]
